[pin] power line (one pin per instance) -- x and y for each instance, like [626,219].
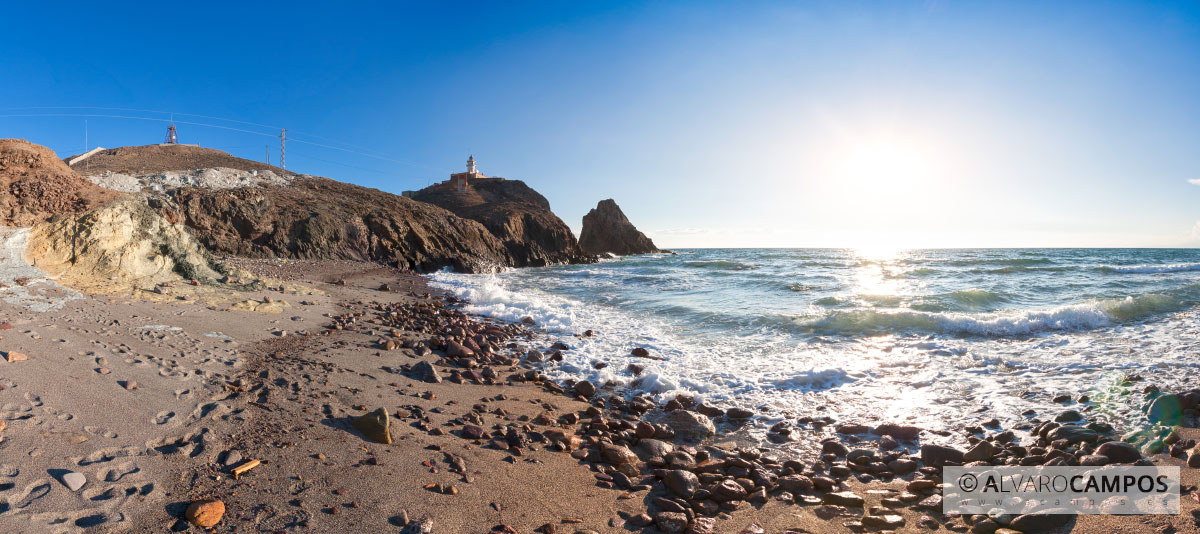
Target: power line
[109,116]
[361,150]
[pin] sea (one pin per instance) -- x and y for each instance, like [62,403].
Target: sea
[940,338]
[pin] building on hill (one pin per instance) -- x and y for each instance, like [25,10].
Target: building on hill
[461,180]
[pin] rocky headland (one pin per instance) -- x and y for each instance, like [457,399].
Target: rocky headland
[606,230]
[516,214]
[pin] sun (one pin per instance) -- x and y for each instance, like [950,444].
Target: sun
[877,171]
[881,189]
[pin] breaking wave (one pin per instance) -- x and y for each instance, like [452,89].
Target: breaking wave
[1151,269]
[720,265]
[1082,316]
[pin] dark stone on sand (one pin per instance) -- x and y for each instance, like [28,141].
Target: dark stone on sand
[728,490]
[652,448]
[844,498]
[671,522]
[689,427]
[738,413]
[681,483]
[939,456]
[374,426]
[1119,452]
[425,372]
[585,388]
[1069,416]
[1039,522]
[888,521]
[902,432]
[835,448]
[472,432]
[794,483]
[1073,434]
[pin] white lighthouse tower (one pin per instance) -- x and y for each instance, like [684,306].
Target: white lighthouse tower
[471,165]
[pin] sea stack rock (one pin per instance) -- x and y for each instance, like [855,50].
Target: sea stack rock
[607,230]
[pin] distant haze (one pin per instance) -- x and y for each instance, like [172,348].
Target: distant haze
[874,124]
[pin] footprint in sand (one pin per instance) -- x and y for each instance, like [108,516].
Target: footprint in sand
[99,494]
[7,470]
[34,491]
[35,400]
[213,409]
[183,394]
[163,417]
[121,471]
[107,455]
[95,430]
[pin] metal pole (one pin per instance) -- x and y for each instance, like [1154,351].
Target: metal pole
[267,148]
[283,148]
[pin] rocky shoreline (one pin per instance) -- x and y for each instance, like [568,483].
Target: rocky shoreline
[661,467]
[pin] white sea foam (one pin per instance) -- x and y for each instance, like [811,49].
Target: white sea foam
[746,337]
[1151,269]
[1081,316]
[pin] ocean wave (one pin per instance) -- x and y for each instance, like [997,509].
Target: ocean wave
[1150,269]
[1082,316]
[1024,269]
[725,265]
[977,298]
[800,288]
[486,295]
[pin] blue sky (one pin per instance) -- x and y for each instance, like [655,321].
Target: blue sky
[711,124]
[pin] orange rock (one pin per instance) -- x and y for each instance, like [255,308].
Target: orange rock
[205,513]
[15,356]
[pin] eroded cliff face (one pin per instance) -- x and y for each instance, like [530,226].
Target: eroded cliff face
[606,230]
[322,218]
[35,185]
[517,215]
[122,245]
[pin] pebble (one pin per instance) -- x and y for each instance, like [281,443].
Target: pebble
[844,498]
[375,426]
[74,480]
[13,356]
[206,513]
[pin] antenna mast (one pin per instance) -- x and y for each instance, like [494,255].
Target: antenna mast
[283,148]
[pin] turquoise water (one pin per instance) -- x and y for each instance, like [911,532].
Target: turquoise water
[940,338]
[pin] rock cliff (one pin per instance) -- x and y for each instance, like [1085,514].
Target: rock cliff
[121,245]
[516,214]
[607,230]
[499,224]
[35,184]
[322,218]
